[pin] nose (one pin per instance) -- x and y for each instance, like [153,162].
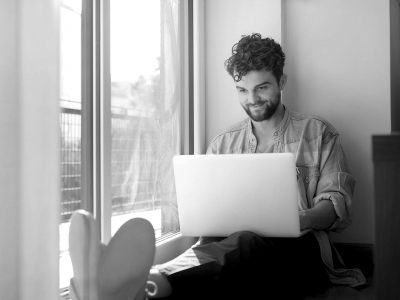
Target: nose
[253,98]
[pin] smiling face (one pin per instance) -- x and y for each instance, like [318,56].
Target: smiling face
[260,94]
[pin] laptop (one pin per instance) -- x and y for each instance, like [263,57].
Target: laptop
[218,195]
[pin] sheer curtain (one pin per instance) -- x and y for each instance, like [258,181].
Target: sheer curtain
[170,117]
[146,120]
[29,154]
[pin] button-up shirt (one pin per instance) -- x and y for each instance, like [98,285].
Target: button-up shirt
[323,173]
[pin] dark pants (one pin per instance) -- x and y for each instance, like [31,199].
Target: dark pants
[247,266]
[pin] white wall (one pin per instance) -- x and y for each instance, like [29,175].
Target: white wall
[9,212]
[225,22]
[338,68]
[29,163]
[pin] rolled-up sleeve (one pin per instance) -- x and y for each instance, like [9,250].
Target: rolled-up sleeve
[335,183]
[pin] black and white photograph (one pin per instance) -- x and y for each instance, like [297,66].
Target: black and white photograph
[200,149]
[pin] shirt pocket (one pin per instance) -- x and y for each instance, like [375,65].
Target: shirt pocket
[307,179]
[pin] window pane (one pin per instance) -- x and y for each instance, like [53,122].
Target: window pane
[70,126]
[145,109]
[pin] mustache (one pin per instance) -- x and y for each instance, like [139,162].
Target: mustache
[258,103]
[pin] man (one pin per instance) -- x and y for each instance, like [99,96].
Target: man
[244,265]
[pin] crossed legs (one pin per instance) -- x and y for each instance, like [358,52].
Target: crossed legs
[247,266]
[231,266]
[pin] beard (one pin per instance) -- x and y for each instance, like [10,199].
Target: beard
[262,110]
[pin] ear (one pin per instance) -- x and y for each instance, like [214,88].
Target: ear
[282,81]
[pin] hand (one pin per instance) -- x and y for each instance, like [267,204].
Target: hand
[305,221]
[319,217]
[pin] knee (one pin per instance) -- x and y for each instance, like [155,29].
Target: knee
[245,235]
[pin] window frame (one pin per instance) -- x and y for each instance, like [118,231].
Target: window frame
[96,112]
[100,121]
[87,71]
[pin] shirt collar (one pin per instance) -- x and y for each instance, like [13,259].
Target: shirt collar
[283,124]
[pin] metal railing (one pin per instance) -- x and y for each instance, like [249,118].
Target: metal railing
[71,164]
[133,161]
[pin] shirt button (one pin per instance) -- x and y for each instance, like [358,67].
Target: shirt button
[307,179]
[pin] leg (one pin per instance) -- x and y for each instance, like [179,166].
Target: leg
[248,266]
[185,275]
[280,268]
[308,273]
[219,269]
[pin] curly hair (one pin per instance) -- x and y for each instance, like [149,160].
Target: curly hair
[253,53]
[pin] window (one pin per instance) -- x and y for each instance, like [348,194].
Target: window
[145,111]
[122,116]
[70,126]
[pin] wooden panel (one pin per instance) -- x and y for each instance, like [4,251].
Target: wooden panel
[387,208]
[395,63]
[386,147]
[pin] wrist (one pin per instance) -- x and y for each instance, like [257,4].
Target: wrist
[305,220]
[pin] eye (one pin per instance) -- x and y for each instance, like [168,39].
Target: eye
[263,88]
[241,91]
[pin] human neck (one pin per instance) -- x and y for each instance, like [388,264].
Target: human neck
[265,129]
